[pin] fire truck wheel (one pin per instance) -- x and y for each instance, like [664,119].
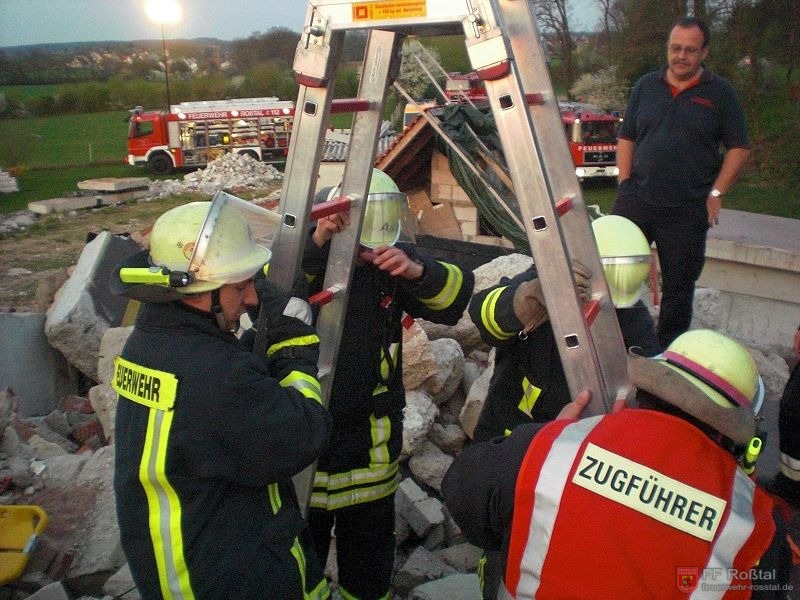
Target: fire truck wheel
[160,164]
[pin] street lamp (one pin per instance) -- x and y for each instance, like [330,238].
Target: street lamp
[164,12]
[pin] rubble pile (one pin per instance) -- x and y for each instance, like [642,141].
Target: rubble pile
[228,172]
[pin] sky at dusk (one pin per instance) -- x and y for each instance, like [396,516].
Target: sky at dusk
[54,21]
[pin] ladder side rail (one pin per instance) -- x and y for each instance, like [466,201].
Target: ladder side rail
[313,62]
[380,66]
[606,336]
[490,55]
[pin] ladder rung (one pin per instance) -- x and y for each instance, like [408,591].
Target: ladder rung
[331,207]
[591,310]
[310,80]
[346,105]
[563,206]
[535,98]
[495,71]
[323,297]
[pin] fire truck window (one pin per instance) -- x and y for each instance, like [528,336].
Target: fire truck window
[603,132]
[141,128]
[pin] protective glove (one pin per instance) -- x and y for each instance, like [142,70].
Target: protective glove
[292,344]
[529,303]
[294,303]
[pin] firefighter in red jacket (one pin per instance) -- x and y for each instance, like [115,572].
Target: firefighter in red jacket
[648,502]
[209,434]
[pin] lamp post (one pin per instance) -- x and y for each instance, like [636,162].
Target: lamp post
[164,12]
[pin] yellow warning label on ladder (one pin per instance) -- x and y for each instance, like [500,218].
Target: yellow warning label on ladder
[400,9]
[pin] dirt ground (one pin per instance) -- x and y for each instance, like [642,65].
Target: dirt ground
[35,263]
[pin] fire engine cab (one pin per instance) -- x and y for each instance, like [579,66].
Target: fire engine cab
[194,133]
[592,139]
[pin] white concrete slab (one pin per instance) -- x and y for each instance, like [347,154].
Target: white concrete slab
[114,184]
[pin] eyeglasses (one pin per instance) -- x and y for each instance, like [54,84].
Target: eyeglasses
[678,49]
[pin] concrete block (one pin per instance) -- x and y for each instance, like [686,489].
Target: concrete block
[104,554]
[441,192]
[462,557]
[464,586]
[120,585]
[419,510]
[61,205]
[421,566]
[468,228]
[435,537]
[38,373]
[466,213]
[459,196]
[53,591]
[440,221]
[114,184]
[84,307]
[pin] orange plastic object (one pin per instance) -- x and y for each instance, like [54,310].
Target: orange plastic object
[19,528]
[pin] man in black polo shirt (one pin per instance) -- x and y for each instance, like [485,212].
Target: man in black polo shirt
[672,175]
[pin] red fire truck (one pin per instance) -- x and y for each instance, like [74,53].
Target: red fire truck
[591,132]
[192,134]
[592,139]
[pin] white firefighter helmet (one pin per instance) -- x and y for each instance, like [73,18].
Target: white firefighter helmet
[724,390]
[625,255]
[201,246]
[386,218]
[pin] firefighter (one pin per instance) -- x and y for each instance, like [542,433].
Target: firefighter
[647,502]
[209,434]
[529,383]
[786,483]
[357,477]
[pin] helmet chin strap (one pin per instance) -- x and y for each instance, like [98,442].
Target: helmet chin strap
[219,316]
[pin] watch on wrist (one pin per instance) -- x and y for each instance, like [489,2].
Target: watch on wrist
[715,193]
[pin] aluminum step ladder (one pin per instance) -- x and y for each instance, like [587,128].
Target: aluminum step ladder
[503,45]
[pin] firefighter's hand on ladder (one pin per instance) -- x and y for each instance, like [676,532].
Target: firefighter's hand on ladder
[327,226]
[574,409]
[582,275]
[529,303]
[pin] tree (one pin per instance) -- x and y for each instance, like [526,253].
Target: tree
[269,79]
[412,76]
[602,88]
[276,45]
[553,17]
[637,34]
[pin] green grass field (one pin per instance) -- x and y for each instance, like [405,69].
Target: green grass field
[50,155]
[69,140]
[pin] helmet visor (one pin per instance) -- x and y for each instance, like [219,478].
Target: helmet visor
[386,220]
[234,241]
[625,276]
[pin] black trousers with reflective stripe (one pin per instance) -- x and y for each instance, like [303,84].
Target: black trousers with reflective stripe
[365,544]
